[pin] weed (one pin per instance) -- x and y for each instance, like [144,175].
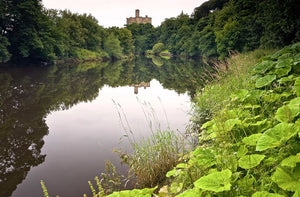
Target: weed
[152,158]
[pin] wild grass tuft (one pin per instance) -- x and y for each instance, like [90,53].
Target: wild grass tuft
[153,157]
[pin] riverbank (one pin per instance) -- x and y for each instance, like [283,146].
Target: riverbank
[250,145]
[239,119]
[83,55]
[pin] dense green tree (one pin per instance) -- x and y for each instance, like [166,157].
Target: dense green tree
[125,37]
[207,7]
[91,32]
[144,36]
[280,21]
[112,46]
[29,31]
[126,41]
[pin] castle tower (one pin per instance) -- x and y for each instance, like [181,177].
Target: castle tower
[138,19]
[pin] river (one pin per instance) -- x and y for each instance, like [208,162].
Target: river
[61,123]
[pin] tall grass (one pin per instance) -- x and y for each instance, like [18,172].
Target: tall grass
[153,157]
[230,75]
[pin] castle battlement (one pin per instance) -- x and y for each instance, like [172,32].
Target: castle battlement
[138,19]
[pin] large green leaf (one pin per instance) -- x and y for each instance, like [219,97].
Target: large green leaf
[250,161]
[216,181]
[286,114]
[297,86]
[203,157]
[284,63]
[190,193]
[283,71]
[262,67]
[295,103]
[286,179]
[289,78]
[291,161]
[266,194]
[208,124]
[242,151]
[252,139]
[182,165]
[240,95]
[176,187]
[229,124]
[275,136]
[171,173]
[264,81]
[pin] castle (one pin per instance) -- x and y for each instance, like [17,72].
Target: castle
[137,19]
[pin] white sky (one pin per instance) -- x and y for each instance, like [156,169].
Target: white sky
[114,12]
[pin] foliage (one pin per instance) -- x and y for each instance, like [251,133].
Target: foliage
[215,29]
[112,47]
[250,147]
[218,27]
[144,36]
[31,32]
[216,181]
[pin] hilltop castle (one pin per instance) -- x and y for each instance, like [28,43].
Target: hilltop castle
[137,19]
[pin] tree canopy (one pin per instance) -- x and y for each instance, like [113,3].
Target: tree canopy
[28,31]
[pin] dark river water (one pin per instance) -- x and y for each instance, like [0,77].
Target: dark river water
[61,123]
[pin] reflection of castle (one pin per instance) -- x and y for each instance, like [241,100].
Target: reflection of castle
[138,19]
[140,85]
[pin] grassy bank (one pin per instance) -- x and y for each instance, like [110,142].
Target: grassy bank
[247,122]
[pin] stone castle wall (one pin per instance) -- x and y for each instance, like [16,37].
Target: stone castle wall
[138,19]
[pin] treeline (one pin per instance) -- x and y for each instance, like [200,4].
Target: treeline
[220,26]
[30,32]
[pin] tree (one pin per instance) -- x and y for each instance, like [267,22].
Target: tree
[125,37]
[112,46]
[29,31]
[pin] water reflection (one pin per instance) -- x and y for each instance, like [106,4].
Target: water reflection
[29,94]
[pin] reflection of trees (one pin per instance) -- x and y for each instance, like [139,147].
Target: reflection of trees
[28,94]
[179,75]
[183,75]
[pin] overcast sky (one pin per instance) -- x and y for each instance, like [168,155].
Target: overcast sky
[114,12]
